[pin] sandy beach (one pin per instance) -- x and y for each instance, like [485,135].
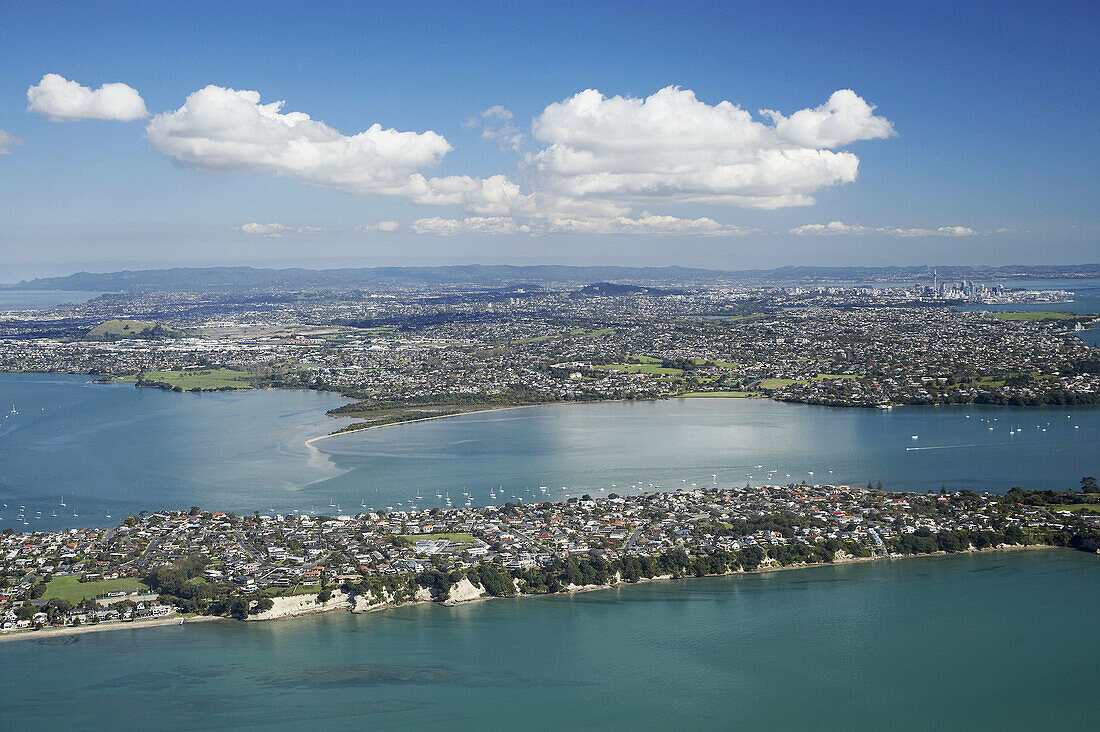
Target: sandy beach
[101,627]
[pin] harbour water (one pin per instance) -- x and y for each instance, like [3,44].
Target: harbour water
[42,299]
[1002,640]
[115,449]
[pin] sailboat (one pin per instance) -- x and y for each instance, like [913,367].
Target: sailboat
[62,501]
[13,410]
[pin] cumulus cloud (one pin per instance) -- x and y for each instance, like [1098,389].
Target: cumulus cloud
[8,141]
[470,225]
[598,158]
[277,230]
[838,227]
[672,147]
[226,130]
[844,119]
[60,100]
[381,226]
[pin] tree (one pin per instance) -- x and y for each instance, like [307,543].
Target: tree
[1088,485]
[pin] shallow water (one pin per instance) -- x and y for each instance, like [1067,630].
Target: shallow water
[118,449]
[994,641]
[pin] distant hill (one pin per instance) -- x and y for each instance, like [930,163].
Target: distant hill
[117,330]
[612,288]
[244,279]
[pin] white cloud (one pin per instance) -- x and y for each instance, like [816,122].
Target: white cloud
[497,126]
[844,119]
[497,112]
[671,147]
[381,226]
[226,130]
[470,225]
[600,158]
[61,100]
[277,230]
[8,141]
[647,223]
[838,227]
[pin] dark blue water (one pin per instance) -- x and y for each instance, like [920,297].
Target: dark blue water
[996,641]
[118,449]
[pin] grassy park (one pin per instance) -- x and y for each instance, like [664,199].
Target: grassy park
[118,329]
[1036,315]
[211,379]
[71,589]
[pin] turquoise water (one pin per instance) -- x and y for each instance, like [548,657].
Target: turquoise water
[997,641]
[118,449]
[38,299]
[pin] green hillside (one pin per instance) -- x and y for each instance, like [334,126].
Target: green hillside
[115,330]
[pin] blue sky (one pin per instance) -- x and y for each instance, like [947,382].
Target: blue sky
[980,147]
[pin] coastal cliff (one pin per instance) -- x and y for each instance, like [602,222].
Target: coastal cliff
[290,606]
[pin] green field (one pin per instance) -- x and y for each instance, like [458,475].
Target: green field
[827,377]
[1036,315]
[113,330]
[720,394]
[641,368]
[201,379]
[777,383]
[1074,507]
[460,538]
[73,590]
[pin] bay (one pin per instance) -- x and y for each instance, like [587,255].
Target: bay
[1002,640]
[115,449]
[624,447]
[42,299]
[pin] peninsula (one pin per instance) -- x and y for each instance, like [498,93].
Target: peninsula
[179,564]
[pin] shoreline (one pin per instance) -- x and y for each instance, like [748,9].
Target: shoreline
[102,627]
[312,440]
[350,606]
